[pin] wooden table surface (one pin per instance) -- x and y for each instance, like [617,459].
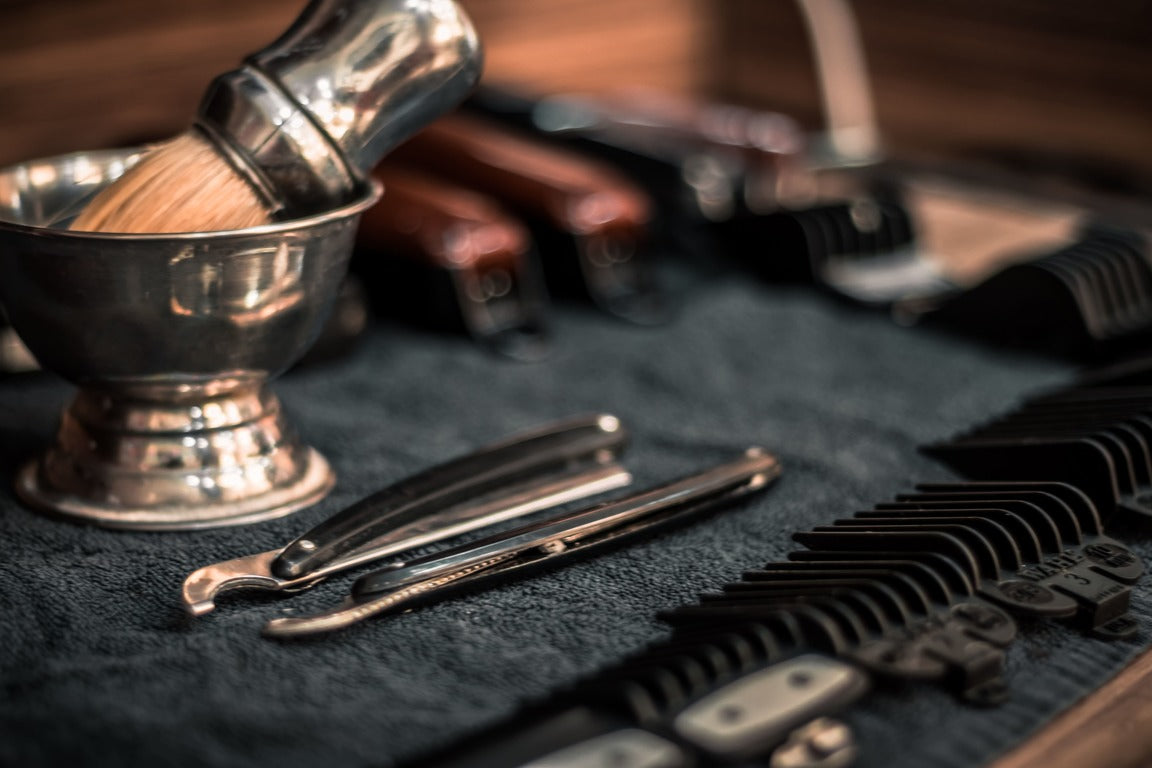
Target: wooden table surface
[1111,728]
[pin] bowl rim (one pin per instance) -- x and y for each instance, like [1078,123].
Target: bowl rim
[367,195]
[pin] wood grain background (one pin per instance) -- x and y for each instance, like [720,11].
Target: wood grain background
[1061,86]
[1043,82]
[82,74]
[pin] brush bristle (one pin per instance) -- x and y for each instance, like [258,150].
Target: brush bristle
[181,185]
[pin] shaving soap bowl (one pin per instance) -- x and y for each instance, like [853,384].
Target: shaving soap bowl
[172,341]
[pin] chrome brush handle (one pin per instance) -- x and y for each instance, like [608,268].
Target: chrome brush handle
[307,118]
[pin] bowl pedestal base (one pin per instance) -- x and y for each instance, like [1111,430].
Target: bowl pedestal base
[197,461]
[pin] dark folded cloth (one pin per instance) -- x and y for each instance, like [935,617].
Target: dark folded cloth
[99,666]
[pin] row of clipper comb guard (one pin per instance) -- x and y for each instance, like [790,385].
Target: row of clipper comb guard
[1095,434]
[928,587]
[923,589]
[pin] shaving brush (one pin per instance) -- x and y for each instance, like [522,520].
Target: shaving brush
[297,129]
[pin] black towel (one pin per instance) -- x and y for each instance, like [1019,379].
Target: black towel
[100,667]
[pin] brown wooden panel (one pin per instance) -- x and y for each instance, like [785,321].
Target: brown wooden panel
[1024,77]
[1026,80]
[80,74]
[1112,727]
[581,45]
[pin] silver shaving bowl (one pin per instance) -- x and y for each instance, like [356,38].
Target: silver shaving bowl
[172,341]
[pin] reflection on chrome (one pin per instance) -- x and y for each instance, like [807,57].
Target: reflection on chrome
[172,340]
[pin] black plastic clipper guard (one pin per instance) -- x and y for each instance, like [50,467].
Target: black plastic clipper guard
[905,602]
[1096,438]
[921,589]
[862,249]
[720,699]
[1065,464]
[745,192]
[925,588]
[1090,300]
[1085,580]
